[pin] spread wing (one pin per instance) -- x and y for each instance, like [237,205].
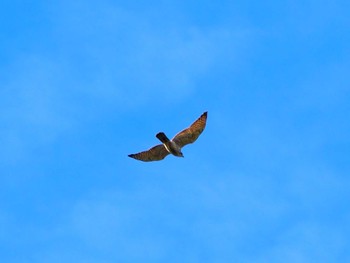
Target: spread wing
[190,134]
[156,153]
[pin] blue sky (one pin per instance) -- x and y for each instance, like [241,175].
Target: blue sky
[85,83]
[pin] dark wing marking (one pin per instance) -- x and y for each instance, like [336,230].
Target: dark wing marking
[156,153]
[190,134]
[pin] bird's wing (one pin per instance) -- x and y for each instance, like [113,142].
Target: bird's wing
[156,153]
[190,134]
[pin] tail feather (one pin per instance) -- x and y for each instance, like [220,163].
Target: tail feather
[162,137]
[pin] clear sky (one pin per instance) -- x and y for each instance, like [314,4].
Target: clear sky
[85,83]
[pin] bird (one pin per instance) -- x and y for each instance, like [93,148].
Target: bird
[173,146]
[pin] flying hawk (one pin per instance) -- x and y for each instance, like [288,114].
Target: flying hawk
[173,146]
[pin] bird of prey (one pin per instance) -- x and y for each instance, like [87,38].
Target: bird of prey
[173,146]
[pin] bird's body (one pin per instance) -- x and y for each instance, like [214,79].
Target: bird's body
[173,146]
[169,145]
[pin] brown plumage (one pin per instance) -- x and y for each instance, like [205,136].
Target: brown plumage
[156,153]
[173,146]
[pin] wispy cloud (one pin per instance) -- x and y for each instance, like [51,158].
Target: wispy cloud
[134,61]
[217,215]
[104,59]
